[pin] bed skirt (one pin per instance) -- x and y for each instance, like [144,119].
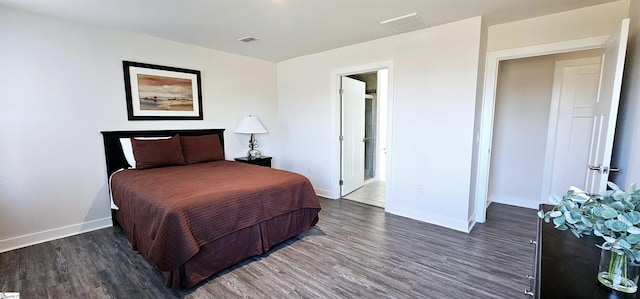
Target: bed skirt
[232,248]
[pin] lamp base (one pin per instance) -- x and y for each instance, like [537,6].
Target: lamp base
[252,145]
[253,154]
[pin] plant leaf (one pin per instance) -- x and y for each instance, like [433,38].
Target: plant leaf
[633,239]
[555,214]
[624,244]
[597,212]
[617,205]
[615,225]
[633,217]
[608,213]
[575,233]
[562,227]
[569,218]
[618,195]
[559,220]
[624,219]
[613,186]
[600,225]
[597,232]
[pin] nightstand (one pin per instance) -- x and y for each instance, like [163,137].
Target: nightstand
[262,161]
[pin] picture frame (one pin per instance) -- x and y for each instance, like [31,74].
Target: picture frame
[156,92]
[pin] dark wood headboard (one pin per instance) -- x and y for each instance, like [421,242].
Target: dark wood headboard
[113,150]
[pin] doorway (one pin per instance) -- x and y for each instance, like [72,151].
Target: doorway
[372,118]
[363,137]
[535,128]
[613,47]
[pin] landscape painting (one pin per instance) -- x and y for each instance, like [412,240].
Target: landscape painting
[165,93]
[157,92]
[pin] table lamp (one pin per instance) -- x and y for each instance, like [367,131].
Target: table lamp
[251,125]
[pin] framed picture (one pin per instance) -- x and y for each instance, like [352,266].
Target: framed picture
[156,92]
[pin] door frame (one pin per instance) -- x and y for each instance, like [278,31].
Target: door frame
[336,118]
[485,131]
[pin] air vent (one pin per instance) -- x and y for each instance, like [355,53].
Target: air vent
[248,39]
[406,23]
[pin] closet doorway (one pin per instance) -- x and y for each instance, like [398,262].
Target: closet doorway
[613,50]
[543,123]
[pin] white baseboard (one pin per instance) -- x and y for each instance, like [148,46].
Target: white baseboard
[324,193]
[515,201]
[471,222]
[436,219]
[53,234]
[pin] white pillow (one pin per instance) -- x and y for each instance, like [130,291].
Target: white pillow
[127,148]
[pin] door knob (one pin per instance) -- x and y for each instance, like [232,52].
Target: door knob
[604,170]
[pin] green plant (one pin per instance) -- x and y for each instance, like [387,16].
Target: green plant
[613,215]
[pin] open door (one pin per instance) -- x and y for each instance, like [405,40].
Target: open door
[352,134]
[606,109]
[575,93]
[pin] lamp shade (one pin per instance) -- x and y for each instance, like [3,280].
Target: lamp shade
[250,125]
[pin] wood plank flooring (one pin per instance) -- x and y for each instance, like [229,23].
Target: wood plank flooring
[355,251]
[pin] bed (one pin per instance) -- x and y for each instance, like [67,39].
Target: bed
[194,217]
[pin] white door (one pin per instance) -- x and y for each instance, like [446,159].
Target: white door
[606,110]
[575,89]
[353,107]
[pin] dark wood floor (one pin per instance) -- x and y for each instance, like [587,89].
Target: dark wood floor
[355,251]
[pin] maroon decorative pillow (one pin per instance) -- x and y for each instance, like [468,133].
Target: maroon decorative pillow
[157,153]
[198,149]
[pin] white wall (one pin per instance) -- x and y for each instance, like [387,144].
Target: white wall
[580,23]
[61,83]
[520,129]
[626,153]
[433,95]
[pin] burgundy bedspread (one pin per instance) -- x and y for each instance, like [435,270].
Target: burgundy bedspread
[170,212]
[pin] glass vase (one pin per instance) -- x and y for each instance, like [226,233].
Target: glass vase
[617,271]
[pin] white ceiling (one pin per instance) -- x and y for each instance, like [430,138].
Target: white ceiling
[285,28]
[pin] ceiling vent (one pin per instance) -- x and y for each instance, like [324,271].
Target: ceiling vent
[406,23]
[248,39]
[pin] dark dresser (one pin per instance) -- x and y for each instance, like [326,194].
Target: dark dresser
[566,267]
